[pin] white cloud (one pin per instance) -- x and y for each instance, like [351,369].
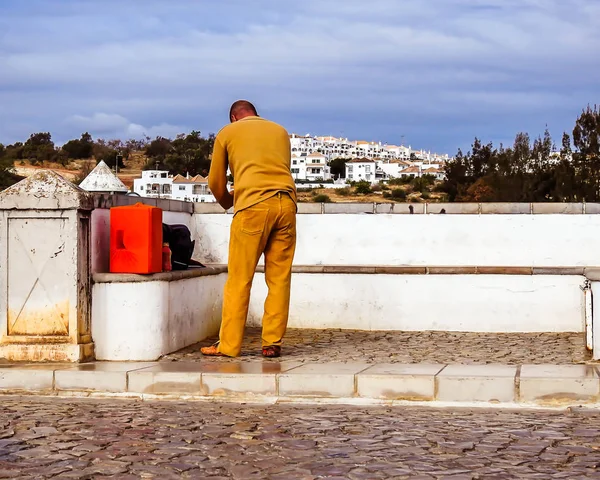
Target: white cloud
[103,125]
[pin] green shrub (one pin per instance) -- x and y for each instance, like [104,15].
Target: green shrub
[344,192]
[376,188]
[322,199]
[425,195]
[400,181]
[363,187]
[398,194]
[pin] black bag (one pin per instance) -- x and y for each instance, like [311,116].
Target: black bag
[181,244]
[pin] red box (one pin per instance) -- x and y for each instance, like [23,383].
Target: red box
[136,239]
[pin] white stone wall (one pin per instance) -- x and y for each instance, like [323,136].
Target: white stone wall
[425,240]
[464,303]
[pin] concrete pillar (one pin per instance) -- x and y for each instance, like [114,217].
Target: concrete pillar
[45,299]
[595,327]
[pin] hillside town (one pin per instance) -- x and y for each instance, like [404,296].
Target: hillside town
[311,163]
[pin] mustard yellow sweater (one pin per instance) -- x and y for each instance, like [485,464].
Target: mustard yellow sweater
[258,153]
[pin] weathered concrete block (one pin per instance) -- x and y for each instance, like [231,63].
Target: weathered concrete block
[398,382]
[400,208]
[45,270]
[557,384]
[504,270]
[453,208]
[310,208]
[558,270]
[163,203]
[321,380]
[557,208]
[26,378]
[203,207]
[98,377]
[476,383]
[400,270]
[240,378]
[592,208]
[349,208]
[167,379]
[451,270]
[505,208]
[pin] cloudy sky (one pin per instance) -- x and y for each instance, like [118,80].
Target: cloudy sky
[434,72]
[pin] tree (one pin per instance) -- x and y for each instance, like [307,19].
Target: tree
[81,148]
[185,154]
[39,148]
[338,167]
[105,151]
[586,159]
[7,174]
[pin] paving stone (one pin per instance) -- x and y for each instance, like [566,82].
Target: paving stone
[321,380]
[398,382]
[26,377]
[167,378]
[479,383]
[306,346]
[243,378]
[559,383]
[147,439]
[97,376]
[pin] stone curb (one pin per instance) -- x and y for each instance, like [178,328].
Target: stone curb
[592,273]
[539,385]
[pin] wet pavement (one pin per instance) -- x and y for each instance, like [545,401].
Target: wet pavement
[85,439]
[411,347]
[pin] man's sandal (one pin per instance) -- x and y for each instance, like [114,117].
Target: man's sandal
[212,351]
[272,351]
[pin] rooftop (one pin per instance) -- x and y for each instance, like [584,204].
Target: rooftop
[102,179]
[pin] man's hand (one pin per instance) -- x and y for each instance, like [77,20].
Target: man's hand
[227,201]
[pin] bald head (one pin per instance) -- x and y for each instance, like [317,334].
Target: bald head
[241,109]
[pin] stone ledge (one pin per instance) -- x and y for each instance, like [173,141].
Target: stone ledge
[159,277]
[106,200]
[441,270]
[456,208]
[542,385]
[592,273]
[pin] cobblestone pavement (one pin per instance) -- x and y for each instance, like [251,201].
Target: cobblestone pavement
[85,439]
[412,347]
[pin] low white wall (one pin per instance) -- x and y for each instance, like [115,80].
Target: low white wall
[144,320]
[465,303]
[425,240]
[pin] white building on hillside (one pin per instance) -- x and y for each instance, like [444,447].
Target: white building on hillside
[393,168]
[311,167]
[159,184]
[339,147]
[437,172]
[361,169]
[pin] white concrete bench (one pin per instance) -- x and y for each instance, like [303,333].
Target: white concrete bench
[142,317]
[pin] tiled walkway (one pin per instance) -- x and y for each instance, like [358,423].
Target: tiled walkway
[411,347]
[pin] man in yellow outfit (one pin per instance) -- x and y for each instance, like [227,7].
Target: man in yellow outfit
[258,153]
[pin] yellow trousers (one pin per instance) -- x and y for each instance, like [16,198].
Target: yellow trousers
[270,228]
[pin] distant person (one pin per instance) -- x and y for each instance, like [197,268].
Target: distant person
[411,209]
[258,154]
